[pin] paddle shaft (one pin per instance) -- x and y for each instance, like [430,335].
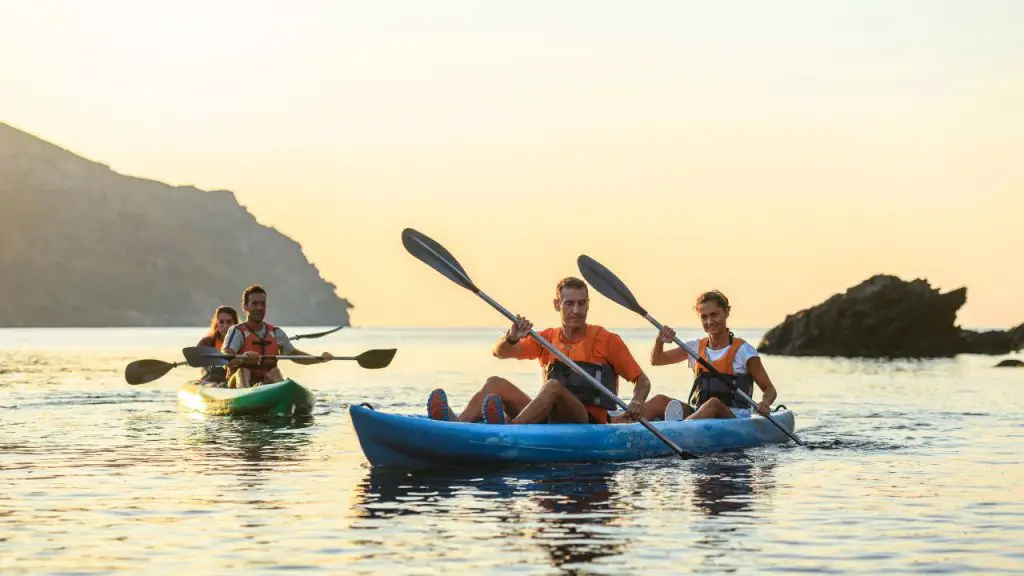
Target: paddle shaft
[315,334]
[442,261]
[699,359]
[593,381]
[283,357]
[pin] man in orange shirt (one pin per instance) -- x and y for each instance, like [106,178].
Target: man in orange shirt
[565,397]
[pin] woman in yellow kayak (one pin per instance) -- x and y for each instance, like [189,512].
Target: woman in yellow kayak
[224,317]
[730,355]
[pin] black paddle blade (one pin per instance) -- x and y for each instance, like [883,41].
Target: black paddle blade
[142,371]
[315,334]
[204,356]
[434,255]
[608,284]
[376,358]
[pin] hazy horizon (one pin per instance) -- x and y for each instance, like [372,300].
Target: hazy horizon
[780,152]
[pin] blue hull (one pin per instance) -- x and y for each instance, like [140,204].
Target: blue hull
[403,441]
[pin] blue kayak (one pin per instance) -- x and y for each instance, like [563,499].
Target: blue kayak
[413,441]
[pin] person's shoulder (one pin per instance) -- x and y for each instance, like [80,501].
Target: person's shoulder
[547,333]
[606,337]
[747,349]
[233,338]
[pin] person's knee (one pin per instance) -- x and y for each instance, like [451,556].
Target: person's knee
[495,383]
[716,405]
[244,378]
[553,388]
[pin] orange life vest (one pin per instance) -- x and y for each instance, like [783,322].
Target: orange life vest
[707,386]
[215,341]
[589,354]
[267,346]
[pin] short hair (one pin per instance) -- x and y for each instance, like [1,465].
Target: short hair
[570,282]
[712,296]
[254,289]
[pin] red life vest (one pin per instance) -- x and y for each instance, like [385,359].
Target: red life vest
[268,346]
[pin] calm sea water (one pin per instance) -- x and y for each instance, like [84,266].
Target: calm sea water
[916,467]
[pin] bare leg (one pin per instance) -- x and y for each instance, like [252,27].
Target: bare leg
[713,408]
[239,378]
[511,396]
[273,375]
[556,401]
[654,409]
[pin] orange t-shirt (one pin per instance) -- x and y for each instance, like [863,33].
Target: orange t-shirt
[598,346]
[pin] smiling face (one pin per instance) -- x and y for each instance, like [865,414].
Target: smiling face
[713,318]
[256,307]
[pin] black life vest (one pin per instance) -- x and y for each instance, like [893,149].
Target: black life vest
[707,386]
[581,387]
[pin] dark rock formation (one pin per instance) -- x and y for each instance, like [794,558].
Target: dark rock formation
[988,342]
[81,245]
[885,317]
[1010,363]
[1018,335]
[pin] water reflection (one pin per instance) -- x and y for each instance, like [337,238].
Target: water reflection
[577,504]
[246,445]
[563,510]
[730,483]
[725,490]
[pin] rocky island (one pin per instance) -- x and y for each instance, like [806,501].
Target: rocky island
[887,317]
[81,245]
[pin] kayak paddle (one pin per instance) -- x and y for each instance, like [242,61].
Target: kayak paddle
[142,371]
[434,255]
[205,356]
[315,334]
[609,285]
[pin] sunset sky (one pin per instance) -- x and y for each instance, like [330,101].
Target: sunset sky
[779,151]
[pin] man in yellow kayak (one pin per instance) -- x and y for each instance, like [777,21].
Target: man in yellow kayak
[256,340]
[565,396]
